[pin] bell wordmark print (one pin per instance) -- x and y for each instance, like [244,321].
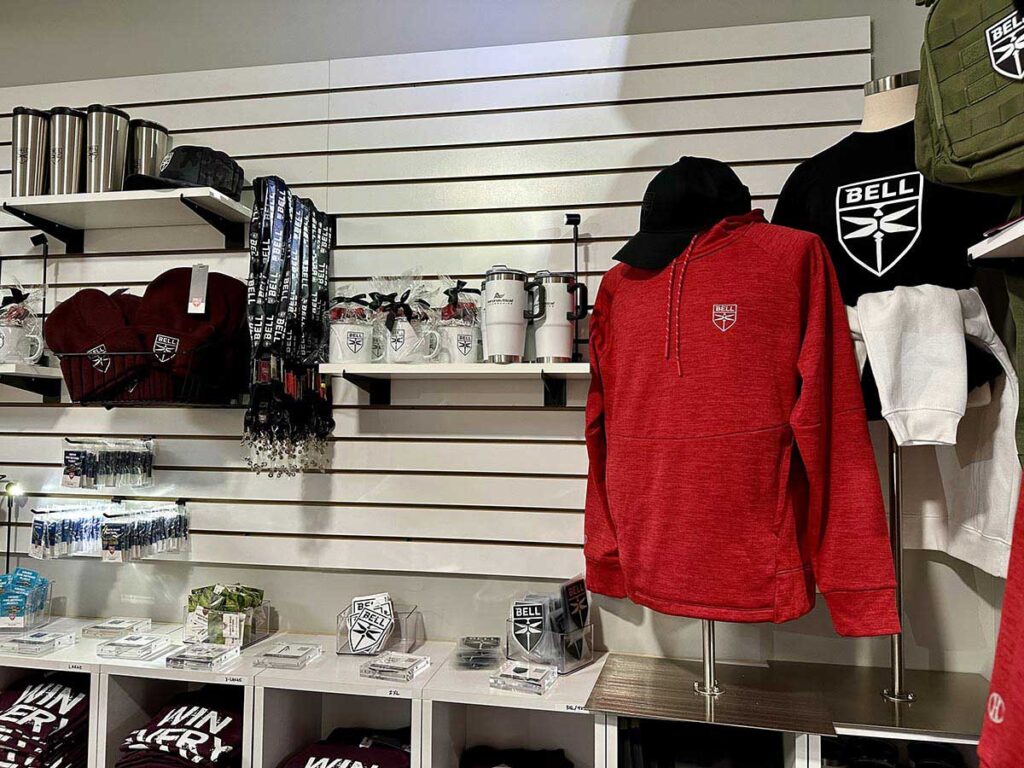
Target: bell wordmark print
[724,316]
[879,220]
[1006,45]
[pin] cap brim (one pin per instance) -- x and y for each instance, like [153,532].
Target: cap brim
[141,181]
[654,250]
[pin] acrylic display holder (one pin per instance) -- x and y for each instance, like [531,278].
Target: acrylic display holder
[231,628]
[36,612]
[406,635]
[566,651]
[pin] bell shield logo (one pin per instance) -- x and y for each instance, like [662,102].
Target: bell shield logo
[398,339]
[465,343]
[879,220]
[165,347]
[98,357]
[528,624]
[355,340]
[724,316]
[1005,46]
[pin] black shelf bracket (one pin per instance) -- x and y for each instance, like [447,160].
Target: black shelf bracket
[233,231]
[378,389]
[554,391]
[73,239]
[48,388]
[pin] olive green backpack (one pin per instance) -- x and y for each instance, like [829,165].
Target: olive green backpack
[970,107]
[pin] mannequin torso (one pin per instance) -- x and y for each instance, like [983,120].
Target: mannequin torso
[887,109]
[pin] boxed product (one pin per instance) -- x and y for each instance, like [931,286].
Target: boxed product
[234,615]
[524,678]
[203,656]
[398,667]
[38,643]
[288,656]
[118,626]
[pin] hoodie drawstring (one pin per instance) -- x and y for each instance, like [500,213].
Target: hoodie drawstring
[674,310]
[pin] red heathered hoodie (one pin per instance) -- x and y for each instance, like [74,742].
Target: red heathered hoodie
[730,463]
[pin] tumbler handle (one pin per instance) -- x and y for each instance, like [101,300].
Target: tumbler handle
[534,287]
[582,307]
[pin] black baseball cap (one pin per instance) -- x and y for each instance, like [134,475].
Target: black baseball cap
[682,200]
[191,166]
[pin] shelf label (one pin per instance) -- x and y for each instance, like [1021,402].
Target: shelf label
[74,667]
[576,708]
[233,679]
[393,693]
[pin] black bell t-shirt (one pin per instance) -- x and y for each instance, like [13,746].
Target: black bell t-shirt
[884,224]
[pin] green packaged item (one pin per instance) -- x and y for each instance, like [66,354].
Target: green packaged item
[234,615]
[970,109]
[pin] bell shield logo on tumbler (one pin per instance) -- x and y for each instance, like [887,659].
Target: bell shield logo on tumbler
[1006,45]
[879,220]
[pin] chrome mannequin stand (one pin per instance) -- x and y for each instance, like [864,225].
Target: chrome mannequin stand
[897,692]
[709,685]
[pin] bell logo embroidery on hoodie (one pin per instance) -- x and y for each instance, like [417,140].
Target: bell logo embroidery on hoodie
[996,708]
[165,347]
[879,220]
[724,316]
[1006,46]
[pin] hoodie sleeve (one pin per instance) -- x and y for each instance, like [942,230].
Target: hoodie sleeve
[604,572]
[846,533]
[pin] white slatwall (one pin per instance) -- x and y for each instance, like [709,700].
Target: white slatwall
[449,162]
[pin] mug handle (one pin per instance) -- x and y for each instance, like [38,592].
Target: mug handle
[437,344]
[541,297]
[34,357]
[582,307]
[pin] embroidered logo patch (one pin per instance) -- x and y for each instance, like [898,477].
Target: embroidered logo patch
[879,220]
[1005,45]
[724,316]
[98,358]
[165,347]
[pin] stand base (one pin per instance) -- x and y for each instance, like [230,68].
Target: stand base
[906,697]
[703,690]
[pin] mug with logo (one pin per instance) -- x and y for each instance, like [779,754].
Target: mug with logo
[565,305]
[508,298]
[459,330]
[351,331]
[19,345]
[409,342]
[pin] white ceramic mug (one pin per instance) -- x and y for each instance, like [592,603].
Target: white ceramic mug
[351,343]
[459,344]
[410,343]
[18,345]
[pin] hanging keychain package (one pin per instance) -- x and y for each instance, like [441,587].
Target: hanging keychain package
[106,463]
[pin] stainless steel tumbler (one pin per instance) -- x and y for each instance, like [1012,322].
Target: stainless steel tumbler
[149,145]
[67,140]
[28,144]
[106,148]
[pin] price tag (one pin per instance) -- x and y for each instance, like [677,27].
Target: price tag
[197,289]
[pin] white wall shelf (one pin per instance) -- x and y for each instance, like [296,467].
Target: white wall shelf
[39,379]
[1007,243]
[67,217]
[376,378]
